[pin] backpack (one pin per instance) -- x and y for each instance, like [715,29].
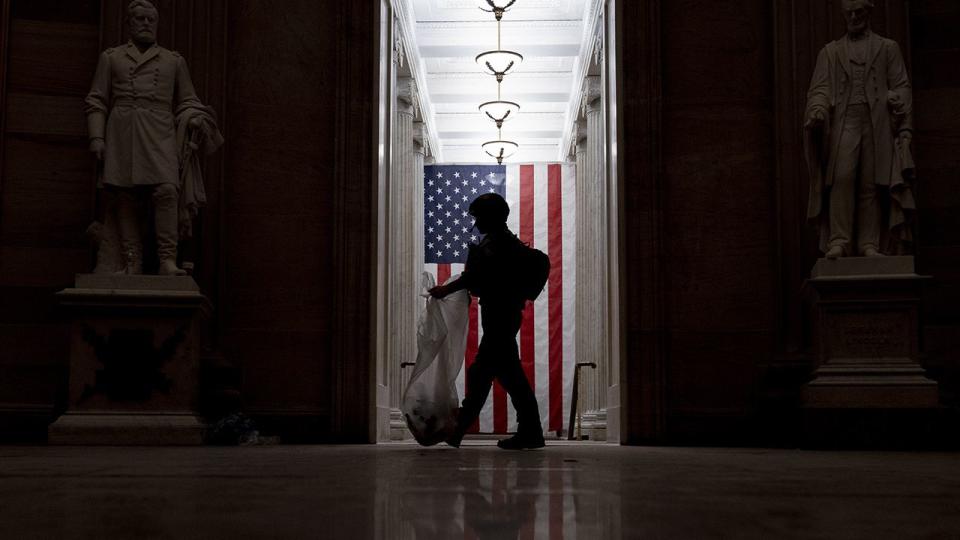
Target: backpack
[534,271]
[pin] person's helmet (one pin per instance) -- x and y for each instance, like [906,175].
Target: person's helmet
[490,206]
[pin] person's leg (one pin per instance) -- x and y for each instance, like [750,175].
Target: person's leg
[842,193]
[503,337]
[514,381]
[479,379]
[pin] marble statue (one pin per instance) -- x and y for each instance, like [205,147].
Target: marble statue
[858,130]
[147,127]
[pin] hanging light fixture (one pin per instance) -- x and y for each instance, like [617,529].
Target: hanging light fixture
[498,62]
[500,111]
[500,149]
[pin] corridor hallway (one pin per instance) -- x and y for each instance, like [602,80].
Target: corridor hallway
[400,490]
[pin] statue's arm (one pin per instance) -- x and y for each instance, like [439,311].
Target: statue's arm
[898,81]
[98,100]
[818,96]
[185,93]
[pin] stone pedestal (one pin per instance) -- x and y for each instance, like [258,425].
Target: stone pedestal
[133,361]
[865,315]
[866,330]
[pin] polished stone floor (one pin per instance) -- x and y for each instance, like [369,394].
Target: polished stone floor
[586,491]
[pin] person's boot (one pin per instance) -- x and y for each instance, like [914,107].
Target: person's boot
[166,223]
[523,441]
[455,438]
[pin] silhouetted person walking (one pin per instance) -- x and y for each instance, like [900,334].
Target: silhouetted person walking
[491,274]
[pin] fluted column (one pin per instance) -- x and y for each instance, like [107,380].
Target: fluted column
[420,150]
[401,283]
[582,316]
[593,279]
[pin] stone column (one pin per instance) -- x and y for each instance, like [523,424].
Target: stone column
[401,283]
[583,261]
[592,224]
[415,260]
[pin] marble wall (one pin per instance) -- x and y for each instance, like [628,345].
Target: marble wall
[935,52]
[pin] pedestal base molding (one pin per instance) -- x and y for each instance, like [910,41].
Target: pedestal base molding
[126,429]
[134,362]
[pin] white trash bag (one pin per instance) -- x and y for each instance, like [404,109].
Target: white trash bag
[430,400]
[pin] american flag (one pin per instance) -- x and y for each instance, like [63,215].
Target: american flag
[542,205]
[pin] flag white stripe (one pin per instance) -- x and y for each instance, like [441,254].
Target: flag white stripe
[541,311]
[569,285]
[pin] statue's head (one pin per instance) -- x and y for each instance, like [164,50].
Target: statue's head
[490,211]
[857,15]
[142,16]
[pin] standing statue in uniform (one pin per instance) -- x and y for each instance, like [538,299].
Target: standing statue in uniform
[147,126]
[858,129]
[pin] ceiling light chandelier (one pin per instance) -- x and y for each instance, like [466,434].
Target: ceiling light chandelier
[500,149]
[500,111]
[498,62]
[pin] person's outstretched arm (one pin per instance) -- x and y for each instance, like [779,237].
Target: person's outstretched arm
[458,284]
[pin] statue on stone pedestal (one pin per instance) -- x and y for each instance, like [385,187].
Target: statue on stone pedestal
[857,134]
[147,127]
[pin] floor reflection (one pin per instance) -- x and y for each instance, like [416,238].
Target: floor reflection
[403,491]
[497,494]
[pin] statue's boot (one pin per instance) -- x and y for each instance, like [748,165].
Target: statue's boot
[834,253]
[166,223]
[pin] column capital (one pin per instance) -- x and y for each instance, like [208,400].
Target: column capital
[581,148]
[590,94]
[407,98]
[421,139]
[578,136]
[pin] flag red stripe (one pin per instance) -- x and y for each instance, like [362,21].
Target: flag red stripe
[499,408]
[527,327]
[527,342]
[443,273]
[555,286]
[471,352]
